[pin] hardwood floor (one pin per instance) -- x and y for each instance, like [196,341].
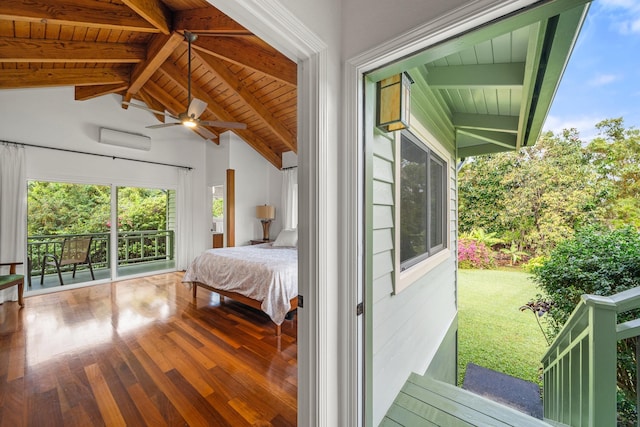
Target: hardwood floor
[140,352]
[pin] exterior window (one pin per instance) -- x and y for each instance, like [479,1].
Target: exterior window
[423,216]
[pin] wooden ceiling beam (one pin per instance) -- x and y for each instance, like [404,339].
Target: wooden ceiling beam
[221,114]
[154,12]
[39,50]
[221,71]
[245,53]
[160,48]
[29,78]
[207,20]
[163,99]
[82,93]
[115,16]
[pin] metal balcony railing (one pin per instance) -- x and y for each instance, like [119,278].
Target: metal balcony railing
[133,247]
[580,366]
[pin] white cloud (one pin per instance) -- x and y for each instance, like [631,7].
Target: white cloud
[586,125]
[625,15]
[603,79]
[625,4]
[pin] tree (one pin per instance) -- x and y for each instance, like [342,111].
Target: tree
[536,197]
[141,209]
[552,192]
[616,155]
[481,193]
[60,208]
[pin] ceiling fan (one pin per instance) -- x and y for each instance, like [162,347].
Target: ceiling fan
[196,107]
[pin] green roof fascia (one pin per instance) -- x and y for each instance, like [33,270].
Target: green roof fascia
[533,14]
[560,38]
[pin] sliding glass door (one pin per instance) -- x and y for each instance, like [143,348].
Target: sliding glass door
[146,230]
[67,233]
[80,233]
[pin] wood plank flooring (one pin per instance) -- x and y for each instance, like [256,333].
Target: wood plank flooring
[141,352]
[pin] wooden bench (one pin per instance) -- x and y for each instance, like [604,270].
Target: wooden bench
[13,279]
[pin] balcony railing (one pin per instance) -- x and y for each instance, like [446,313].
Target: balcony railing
[580,366]
[133,247]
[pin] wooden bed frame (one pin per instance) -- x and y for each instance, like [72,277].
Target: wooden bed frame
[242,299]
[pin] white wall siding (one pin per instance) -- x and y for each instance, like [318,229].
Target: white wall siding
[407,327]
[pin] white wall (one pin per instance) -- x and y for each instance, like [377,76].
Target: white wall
[389,19]
[257,182]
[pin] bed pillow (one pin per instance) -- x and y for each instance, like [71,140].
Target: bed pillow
[287,237]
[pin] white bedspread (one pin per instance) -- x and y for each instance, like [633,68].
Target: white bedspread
[261,272]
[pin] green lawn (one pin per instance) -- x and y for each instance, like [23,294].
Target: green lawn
[492,331]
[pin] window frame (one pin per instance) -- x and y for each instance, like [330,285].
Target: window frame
[406,273]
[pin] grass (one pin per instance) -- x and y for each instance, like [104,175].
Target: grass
[492,331]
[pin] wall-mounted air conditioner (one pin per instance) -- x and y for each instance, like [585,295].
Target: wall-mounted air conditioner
[124,139]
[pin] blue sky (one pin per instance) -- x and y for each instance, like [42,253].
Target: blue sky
[602,79]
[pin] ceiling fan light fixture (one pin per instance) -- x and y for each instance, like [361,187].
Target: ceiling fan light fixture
[190,123]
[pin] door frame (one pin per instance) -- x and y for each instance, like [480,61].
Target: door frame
[359,119]
[277,26]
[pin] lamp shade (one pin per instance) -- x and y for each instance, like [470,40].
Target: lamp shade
[265,212]
[394,102]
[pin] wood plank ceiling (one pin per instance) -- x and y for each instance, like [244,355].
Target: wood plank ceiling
[137,48]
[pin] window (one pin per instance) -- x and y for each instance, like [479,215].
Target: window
[423,206]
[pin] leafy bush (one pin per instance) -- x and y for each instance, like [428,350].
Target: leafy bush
[474,254]
[480,236]
[534,263]
[514,253]
[600,262]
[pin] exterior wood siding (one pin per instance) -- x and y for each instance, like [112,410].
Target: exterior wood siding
[409,327]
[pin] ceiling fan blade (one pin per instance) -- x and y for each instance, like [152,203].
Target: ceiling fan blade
[228,125]
[144,107]
[163,125]
[196,107]
[205,133]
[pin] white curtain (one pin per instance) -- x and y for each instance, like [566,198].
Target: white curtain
[290,198]
[13,193]
[184,226]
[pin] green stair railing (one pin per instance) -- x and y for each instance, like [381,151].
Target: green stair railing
[580,365]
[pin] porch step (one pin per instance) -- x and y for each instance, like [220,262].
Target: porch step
[424,401]
[515,392]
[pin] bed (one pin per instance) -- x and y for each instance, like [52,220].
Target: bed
[262,276]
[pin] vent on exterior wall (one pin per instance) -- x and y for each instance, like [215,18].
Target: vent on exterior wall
[124,139]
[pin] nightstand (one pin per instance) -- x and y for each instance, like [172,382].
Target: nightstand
[259,241]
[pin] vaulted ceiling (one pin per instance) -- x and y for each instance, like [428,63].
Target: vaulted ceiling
[137,48]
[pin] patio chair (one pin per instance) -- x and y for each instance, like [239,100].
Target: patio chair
[13,279]
[75,250]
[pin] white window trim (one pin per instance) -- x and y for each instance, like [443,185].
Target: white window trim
[404,279]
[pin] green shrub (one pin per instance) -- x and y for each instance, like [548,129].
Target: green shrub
[599,262]
[534,263]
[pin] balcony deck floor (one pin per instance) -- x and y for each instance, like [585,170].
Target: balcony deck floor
[83,276]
